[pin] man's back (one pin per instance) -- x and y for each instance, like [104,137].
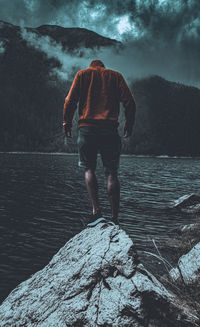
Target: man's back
[99,91]
[99,96]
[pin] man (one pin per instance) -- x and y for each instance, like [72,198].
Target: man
[99,92]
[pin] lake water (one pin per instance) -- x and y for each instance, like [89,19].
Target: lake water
[44,202]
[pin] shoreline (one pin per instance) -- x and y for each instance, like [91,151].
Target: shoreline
[163,156]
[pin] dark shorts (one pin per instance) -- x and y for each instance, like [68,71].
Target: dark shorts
[92,140]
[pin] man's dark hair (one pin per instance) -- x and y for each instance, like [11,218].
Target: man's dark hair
[97,63]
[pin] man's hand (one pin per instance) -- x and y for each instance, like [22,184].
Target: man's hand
[67,130]
[127,132]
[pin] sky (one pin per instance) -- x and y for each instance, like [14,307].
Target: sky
[161,37]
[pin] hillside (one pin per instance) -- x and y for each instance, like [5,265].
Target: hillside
[168,115]
[32,95]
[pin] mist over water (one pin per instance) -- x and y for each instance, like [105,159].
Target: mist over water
[44,203]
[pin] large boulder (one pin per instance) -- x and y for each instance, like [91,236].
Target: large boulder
[95,280]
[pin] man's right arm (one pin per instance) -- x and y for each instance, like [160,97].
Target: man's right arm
[128,100]
[70,104]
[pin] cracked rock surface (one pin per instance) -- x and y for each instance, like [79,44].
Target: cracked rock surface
[188,268]
[94,280]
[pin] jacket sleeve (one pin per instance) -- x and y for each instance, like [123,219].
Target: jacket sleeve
[71,101]
[128,100]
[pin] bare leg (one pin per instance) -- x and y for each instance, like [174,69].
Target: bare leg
[92,187]
[113,189]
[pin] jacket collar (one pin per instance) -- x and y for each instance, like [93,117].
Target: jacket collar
[96,64]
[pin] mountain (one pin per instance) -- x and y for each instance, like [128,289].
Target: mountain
[70,38]
[32,95]
[167,121]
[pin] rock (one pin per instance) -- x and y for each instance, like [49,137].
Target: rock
[188,268]
[188,203]
[192,209]
[190,228]
[187,229]
[95,280]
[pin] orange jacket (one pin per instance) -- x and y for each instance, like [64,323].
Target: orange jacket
[99,92]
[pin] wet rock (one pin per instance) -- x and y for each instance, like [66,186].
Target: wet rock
[188,203]
[188,268]
[95,280]
[190,228]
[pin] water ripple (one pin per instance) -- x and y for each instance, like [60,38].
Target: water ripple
[44,203]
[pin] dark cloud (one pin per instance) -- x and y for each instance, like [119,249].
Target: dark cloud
[162,36]
[157,18]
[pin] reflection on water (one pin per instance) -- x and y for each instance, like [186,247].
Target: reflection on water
[44,203]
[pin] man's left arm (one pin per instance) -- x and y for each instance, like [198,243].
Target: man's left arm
[70,105]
